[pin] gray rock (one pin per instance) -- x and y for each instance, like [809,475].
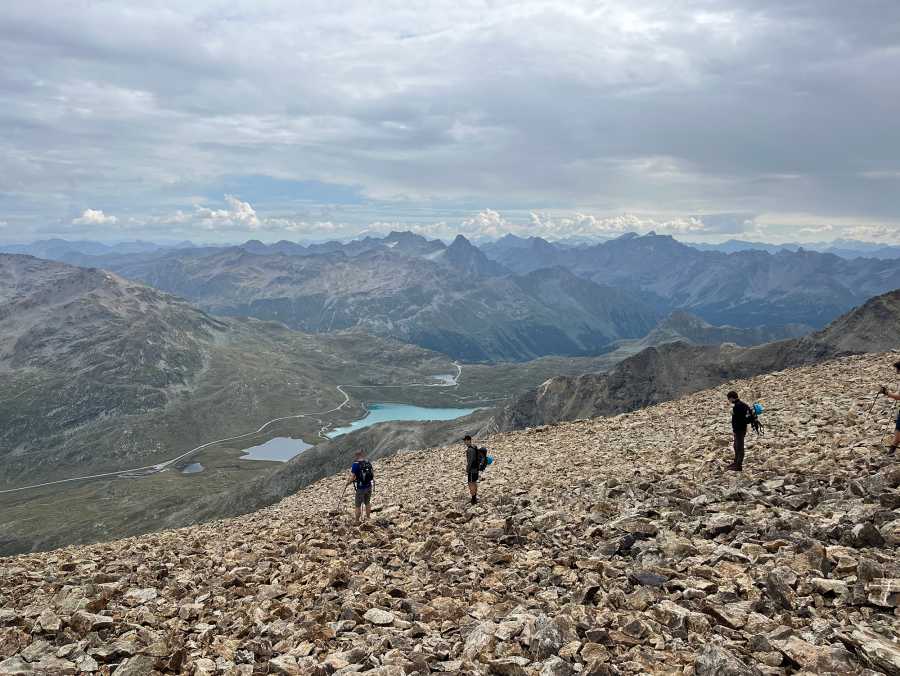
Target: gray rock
[379,617]
[549,635]
[714,660]
[555,666]
[13,666]
[84,622]
[875,650]
[509,666]
[866,535]
[140,665]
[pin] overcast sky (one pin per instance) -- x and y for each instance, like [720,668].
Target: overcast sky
[711,119]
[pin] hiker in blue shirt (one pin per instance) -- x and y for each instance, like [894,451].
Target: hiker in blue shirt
[363,475]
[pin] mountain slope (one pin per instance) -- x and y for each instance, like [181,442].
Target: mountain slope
[683,326]
[79,347]
[656,564]
[457,303]
[105,375]
[672,370]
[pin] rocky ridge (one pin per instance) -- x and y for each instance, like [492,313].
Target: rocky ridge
[607,546]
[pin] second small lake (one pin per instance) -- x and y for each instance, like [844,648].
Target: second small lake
[385,412]
[279,449]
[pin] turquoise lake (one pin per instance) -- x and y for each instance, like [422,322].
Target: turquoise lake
[282,449]
[385,412]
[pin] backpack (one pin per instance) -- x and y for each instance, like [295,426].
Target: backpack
[482,459]
[366,474]
[753,414]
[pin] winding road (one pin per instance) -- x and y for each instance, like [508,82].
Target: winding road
[159,467]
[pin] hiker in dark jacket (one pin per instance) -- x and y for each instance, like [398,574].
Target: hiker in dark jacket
[362,474]
[474,457]
[896,397]
[740,419]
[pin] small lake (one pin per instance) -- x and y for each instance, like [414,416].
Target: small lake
[279,449]
[193,468]
[384,412]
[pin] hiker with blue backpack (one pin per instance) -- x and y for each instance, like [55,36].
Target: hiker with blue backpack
[363,475]
[742,417]
[477,460]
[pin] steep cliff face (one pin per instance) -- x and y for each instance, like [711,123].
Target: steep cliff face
[671,370]
[610,546]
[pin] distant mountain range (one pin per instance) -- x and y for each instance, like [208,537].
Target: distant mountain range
[60,249]
[744,289]
[512,299]
[452,299]
[845,248]
[674,369]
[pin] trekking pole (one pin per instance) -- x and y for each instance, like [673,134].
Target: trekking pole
[891,419]
[873,403]
[341,499]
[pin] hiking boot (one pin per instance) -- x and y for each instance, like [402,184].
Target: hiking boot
[892,450]
[733,468]
[474,499]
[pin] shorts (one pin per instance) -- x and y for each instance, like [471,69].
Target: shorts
[473,476]
[897,424]
[363,496]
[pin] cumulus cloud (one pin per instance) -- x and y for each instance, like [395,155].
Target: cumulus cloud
[237,214]
[886,234]
[95,217]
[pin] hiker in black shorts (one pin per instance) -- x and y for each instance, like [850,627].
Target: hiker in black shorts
[896,397]
[474,457]
[740,419]
[362,474]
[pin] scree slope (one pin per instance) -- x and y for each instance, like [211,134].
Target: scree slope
[606,546]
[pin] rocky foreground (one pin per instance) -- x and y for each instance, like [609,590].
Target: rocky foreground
[607,546]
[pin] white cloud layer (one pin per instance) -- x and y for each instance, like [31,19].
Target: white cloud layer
[588,107]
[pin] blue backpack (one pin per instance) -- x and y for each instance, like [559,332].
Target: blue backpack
[755,411]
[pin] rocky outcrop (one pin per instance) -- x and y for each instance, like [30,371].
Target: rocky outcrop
[608,546]
[683,326]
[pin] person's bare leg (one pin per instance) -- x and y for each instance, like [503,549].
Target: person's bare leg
[896,443]
[368,511]
[357,515]
[473,491]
